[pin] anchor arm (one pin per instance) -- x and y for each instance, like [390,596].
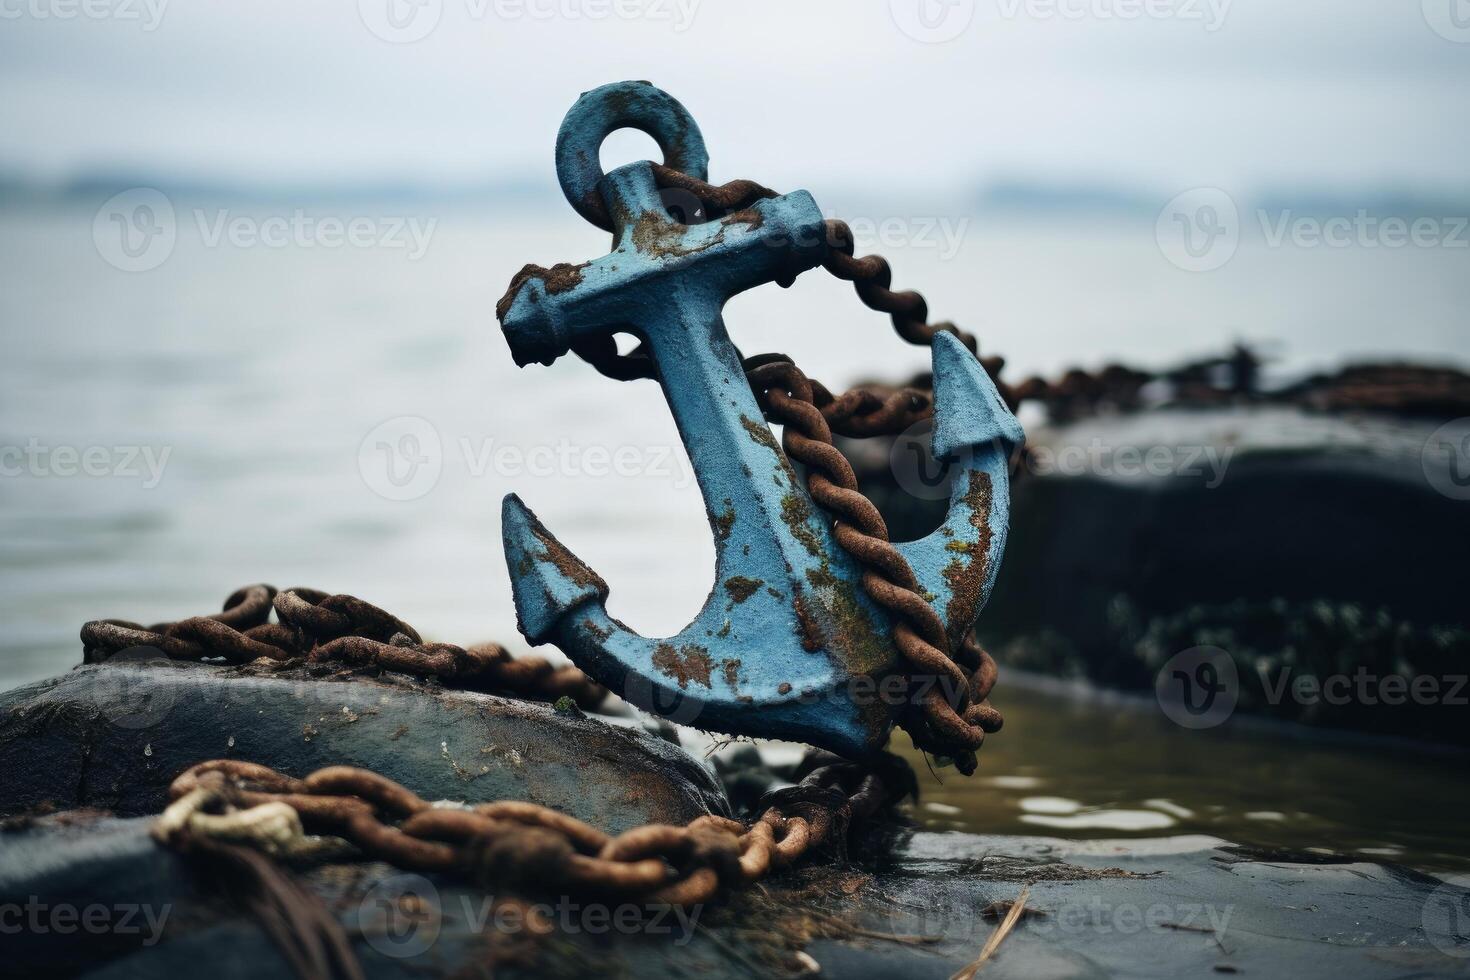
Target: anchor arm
[975,434]
[656,258]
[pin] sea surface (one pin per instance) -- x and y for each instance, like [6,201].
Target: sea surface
[348,417]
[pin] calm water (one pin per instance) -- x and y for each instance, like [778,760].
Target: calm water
[254,379]
[1068,768]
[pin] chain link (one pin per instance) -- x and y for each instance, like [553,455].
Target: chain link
[318,627]
[952,718]
[525,847]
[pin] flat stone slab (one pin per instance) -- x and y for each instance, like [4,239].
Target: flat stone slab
[1181,907]
[114,736]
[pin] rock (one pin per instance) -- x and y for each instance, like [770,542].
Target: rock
[1183,907]
[114,736]
[1301,543]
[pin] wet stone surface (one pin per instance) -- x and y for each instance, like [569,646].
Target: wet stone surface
[899,903]
[1186,907]
[114,737]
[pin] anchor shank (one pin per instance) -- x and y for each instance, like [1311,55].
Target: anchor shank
[733,452]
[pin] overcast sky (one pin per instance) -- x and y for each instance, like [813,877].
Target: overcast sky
[1321,93]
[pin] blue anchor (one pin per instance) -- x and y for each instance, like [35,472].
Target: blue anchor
[787,644]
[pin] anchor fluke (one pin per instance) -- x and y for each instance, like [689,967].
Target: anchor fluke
[968,410]
[547,580]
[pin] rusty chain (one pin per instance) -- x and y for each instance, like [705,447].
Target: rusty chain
[317,627]
[952,718]
[531,849]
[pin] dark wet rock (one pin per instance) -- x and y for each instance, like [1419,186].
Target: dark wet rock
[1175,908]
[1304,544]
[114,736]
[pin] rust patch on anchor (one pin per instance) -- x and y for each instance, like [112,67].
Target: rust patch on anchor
[723,522]
[795,512]
[966,576]
[567,563]
[732,672]
[742,588]
[558,279]
[745,216]
[807,626]
[688,663]
[660,236]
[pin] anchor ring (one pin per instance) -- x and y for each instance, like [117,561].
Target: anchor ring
[603,111]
